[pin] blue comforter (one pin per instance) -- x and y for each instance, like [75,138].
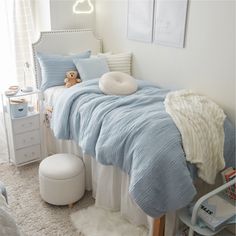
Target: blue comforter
[133,133]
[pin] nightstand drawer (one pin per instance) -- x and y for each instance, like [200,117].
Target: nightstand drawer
[25,124]
[28,154]
[26,139]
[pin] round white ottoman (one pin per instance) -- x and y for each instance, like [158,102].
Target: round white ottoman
[61,179]
[117,83]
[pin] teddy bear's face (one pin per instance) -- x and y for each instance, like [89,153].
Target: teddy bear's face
[71,74]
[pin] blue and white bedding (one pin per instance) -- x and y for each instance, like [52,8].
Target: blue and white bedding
[133,133]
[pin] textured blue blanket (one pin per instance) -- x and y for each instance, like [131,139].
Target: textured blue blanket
[133,133]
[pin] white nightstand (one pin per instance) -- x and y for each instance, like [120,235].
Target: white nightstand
[23,126]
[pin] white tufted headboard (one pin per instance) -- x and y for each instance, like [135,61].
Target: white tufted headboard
[64,42]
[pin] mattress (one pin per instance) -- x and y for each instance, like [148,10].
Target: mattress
[51,95]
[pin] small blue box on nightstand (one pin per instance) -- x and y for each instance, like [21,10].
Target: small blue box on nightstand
[19,108]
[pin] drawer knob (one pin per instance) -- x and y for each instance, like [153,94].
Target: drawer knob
[32,138]
[31,123]
[25,155]
[23,125]
[24,141]
[33,153]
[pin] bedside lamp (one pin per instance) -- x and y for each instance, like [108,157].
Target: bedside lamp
[78,4]
[26,88]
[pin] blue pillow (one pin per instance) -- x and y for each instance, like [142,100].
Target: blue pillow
[91,68]
[54,67]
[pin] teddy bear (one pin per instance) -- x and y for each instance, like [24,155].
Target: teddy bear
[71,78]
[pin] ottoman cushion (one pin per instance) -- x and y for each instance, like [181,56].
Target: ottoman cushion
[61,166]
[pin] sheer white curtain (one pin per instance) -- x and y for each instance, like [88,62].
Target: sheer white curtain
[24,36]
[15,42]
[7,62]
[17,35]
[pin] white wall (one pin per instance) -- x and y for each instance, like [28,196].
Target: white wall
[206,64]
[58,15]
[41,13]
[62,16]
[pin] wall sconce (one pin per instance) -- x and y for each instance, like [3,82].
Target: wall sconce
[77,10]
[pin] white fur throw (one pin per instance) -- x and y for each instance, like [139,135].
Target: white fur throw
[200,122]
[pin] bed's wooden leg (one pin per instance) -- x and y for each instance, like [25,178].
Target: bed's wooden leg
[159,226]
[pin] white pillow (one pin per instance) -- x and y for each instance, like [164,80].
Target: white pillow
[117,83]
[119,62]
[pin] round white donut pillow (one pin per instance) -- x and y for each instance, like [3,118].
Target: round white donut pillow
[117,83]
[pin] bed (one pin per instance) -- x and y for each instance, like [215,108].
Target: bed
[109,184]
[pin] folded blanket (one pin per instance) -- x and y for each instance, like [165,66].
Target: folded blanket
[201,124]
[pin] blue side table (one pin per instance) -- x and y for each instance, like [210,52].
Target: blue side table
[3,190]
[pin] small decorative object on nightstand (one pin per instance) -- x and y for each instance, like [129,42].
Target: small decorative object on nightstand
[26,89]
[23,126]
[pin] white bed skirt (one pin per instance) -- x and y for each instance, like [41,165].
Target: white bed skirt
[109,185]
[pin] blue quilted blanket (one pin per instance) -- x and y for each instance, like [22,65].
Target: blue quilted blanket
[133,133]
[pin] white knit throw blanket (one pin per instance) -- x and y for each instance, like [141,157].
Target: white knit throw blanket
[201,124]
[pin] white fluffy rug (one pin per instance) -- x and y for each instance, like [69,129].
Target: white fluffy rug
[95,221]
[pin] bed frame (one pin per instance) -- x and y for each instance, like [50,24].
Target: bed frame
[65,42]
[74,41]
